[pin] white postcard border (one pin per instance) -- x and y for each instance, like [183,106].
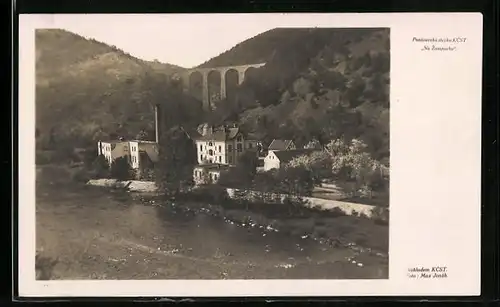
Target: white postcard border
[435,182]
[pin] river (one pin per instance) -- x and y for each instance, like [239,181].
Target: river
[98,234]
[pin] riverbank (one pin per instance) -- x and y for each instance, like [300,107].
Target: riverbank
[86,232]
[329,224]
[348,208]
[335,223]
[330,227]
[103,233]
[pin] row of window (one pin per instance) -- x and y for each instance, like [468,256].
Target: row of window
[198,174]
[238,139]
[239,148]
[202,158]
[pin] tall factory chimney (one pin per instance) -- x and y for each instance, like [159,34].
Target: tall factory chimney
[157,122]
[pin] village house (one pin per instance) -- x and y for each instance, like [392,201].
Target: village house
[276,159]
[112,150]
[143,154]
[208,173]
[218,148]
[277,144]
[140,154]
[223,145]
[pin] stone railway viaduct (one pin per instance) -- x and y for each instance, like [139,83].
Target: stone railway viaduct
[186,75]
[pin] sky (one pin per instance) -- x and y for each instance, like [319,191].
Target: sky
[179,39]
[186,40]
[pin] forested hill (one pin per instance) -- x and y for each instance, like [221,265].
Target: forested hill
[87,90]
[318,83]
[280,42]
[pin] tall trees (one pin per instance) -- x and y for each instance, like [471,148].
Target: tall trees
[294,181]
[177,155]
[243,173]
[353,166]
[317,162]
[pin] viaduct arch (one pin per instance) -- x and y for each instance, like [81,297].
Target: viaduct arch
[240,69]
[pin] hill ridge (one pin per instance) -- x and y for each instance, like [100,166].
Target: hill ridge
[320,83]
[86,90]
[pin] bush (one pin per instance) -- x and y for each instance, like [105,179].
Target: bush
[294,181]
[211,193]
[147,174]
[99,167]
[120,169]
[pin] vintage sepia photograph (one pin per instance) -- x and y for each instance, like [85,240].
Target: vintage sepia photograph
[249,155]
[171,155]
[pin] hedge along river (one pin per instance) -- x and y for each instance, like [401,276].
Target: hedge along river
[97,234]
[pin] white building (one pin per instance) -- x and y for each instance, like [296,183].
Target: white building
[223,145]
[143,153]
[139,153]
[113,150]
[278,158]
[208,173]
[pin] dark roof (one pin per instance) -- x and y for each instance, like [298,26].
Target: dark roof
[279,144]
[286,156]
[143,141]
[191,133]
[113,141]
[220,134]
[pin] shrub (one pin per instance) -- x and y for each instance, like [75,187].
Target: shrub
[120,169]
[147,174]
[212,193]
[100,167]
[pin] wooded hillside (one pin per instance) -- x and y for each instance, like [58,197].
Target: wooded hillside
[87,90]
[317,83]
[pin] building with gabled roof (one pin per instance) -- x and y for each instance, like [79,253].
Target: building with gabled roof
[278,158]
[143,154]
[223,144]
[113,150]
[278,144]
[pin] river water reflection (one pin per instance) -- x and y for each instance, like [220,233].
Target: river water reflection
[99,234]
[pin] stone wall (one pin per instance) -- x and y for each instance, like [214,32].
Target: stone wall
[325,204]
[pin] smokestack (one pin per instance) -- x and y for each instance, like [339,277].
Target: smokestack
[157,122]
